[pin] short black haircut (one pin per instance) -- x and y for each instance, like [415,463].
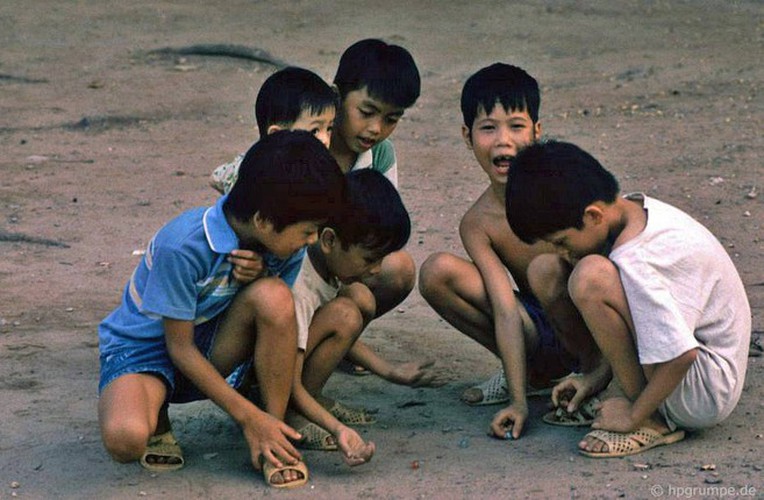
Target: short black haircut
[509,85]
[388,72]
[550,185]
[375,217]
[287,93]
[289,177]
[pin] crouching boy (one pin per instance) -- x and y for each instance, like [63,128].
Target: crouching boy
[185,323]
[661,297]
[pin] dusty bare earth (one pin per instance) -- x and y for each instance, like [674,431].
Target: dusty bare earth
[103,142]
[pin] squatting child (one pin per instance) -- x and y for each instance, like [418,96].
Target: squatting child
[349,249]
[661,296]
[186,323]
[489,297]
[376,83]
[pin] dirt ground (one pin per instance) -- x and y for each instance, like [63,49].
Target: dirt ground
[102,142]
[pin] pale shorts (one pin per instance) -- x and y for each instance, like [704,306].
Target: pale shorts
[705,396]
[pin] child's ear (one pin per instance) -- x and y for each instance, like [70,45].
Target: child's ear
[261,223]
[273,128]
[537,130]
[594,214]
[328,239]
[467,136]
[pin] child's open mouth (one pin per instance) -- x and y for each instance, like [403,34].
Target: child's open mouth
[366,143]
[503,162]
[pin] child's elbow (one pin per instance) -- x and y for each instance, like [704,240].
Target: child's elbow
[690,356]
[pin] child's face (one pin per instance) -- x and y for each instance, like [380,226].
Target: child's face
[496,138]
[354,264]
[574,244]
[320,125]
[290,239]
[365,121]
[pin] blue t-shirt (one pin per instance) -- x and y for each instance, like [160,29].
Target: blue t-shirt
[184,275]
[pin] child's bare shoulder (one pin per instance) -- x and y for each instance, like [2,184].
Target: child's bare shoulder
[483,215]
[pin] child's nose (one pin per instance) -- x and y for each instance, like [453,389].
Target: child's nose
[375,125]
[325,137]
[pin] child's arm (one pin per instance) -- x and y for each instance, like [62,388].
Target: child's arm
[508,327]
[266,435]
[413,374]
[622,415]
[355,450]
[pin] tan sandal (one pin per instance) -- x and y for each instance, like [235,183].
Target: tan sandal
[351,416]
[269,470]
[163,446]
[621,444]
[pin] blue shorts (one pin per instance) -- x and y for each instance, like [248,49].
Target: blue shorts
[152,357]
[549,348]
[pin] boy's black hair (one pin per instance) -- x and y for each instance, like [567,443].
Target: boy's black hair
[289,177]
[550,185]
[375,217]
[515,89]
[287,93]
[388,72]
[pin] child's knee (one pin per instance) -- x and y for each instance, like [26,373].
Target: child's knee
[125,441]
[592,280]
[548,277]
[399,271]
[363,299]
[271,299]
[435,273]
[346,315]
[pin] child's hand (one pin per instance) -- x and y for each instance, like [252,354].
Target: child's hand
[268,438]
[509,422]
[247,265]
[355,451]
[614,414]
[416,374]
[571,391]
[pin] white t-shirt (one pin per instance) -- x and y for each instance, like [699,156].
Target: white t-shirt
[310,292]
[684,292]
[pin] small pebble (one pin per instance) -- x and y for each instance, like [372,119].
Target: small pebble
[15,484]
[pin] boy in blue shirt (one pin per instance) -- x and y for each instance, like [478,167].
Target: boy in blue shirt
[186,323]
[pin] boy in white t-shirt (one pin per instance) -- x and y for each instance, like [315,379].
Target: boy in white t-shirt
[661,297]
[333,306]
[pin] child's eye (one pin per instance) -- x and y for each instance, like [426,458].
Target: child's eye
[487,127]
[366,113]
[314,131]
[392,119]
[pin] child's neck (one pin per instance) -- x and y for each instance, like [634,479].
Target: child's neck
[318,259]
[344,156]
[631,220]
[498,192]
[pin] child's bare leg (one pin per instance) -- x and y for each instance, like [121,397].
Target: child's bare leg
[548,276]
[596,290]
[390,287]
[128,411]
[454,289]
[333,330]
[261,323]
[394,282]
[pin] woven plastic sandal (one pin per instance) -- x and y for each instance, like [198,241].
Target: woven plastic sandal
[351,416]
[621,444]
[269,470]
